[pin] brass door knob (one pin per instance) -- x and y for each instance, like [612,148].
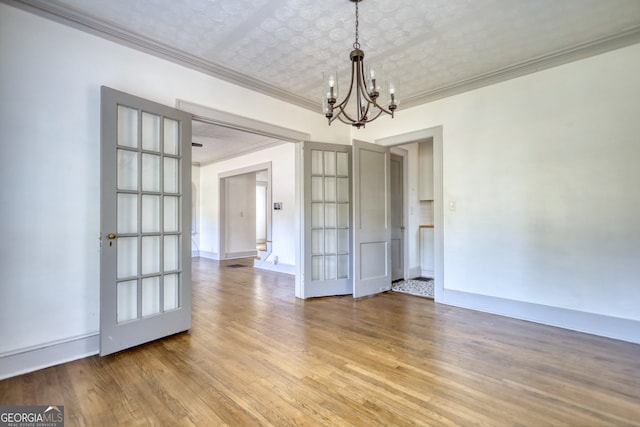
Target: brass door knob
[111,236]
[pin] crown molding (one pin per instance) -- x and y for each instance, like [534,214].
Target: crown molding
[595,47]
[67,16]
[74,19]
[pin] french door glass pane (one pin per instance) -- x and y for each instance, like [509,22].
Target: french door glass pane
[171,214]
[150,254]
[342,164]
[331,267]
[330,242]
[127,127]
[150,296]
[317,267]
[127,258]
[316,162]
[150,172]
[343,215]
[150,213]
[171,175]
[127,213]
[343,190]
[343,241]
[329,163]
[343,266]
[127,170]
[329,189]
[150,132]
[127,300]
[171,137]
[317,242]
[171,254]
[171,287]
[329,215]
[317,215]
[316,189]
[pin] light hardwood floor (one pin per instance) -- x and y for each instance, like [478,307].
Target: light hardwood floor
[258,356]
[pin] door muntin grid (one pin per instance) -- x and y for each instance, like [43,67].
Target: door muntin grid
[330,246]
[148,222]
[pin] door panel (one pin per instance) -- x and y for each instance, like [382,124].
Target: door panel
[397,218]
[145,259]
[326,222]
[372,228]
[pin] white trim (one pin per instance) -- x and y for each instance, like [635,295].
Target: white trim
[241,254]
[280,268]
[209,255]
[246,124]
[67,16]
[590,323]
[195,254]
[31,359]
[435,134]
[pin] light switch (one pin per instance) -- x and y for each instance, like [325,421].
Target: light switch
[452,206]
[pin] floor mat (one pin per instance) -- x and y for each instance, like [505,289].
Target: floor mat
[420,287]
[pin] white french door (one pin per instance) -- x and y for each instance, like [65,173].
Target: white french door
[327,220]
[145,260]
[371,219]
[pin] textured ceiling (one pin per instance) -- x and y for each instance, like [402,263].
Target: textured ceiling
[222,143]
[430,48]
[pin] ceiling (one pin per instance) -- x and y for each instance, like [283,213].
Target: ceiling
[223,143]
[430,48]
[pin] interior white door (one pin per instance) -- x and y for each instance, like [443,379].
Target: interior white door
[145,260]
[326,220]
[371,219]
[397,217]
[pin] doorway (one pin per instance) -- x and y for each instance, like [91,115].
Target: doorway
[412,220]
[397,217]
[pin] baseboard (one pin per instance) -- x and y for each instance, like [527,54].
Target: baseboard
[209,255]
[590,323]
[195,253]
[280,268]
[242,254]
[50,354]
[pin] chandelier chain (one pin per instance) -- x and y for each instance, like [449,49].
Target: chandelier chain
[356,45]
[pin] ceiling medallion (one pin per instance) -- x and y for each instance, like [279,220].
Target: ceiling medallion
[364,87]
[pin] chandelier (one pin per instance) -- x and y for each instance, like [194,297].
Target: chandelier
[364,87]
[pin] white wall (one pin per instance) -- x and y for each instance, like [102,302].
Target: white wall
[544,172]
[282,158]
[50,81]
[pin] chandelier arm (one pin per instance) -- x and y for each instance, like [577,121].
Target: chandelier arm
[344,113]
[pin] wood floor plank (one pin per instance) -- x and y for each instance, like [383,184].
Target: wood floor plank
[256,355]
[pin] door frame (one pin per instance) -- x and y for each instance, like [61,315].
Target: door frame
[402,152]
[223,201]
[223,118]
[435,133]
[118,335]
